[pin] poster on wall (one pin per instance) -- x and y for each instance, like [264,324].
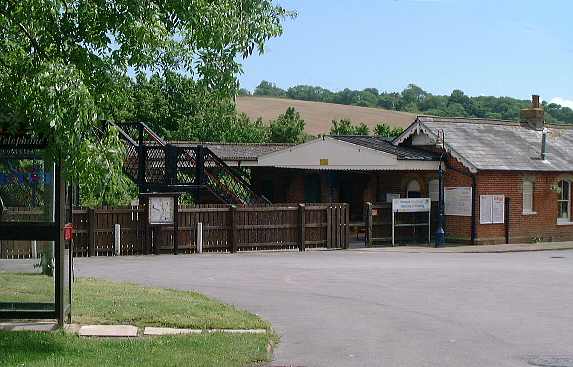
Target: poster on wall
[458,201]
[492,209]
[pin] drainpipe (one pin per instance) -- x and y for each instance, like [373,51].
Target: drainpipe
[474,209]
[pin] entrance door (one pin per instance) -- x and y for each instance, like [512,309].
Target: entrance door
[311,189]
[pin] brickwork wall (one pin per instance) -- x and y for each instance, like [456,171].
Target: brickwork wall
[523,228]
[288,186]
[458,229]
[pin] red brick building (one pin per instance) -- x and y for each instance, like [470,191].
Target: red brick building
[504,181]
[529,163]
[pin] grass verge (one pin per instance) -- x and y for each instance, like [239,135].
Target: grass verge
[59,349]
[104,302]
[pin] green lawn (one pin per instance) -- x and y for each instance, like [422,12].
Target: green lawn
[26,287]
[58,349]
[97,301]
[104,302]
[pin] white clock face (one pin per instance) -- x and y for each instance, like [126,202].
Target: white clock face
[161,210]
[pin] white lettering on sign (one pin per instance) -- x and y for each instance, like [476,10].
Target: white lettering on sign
[458,201]
[411,205]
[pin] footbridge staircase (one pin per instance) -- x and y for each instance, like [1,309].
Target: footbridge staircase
[156,165]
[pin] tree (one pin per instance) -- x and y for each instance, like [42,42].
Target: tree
[345,127]
[386,131]
[60,61]
[287,128]
[269,89]
[243,92]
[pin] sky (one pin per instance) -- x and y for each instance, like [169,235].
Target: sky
[484,47]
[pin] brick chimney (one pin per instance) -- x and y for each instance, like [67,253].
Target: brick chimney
[533,116]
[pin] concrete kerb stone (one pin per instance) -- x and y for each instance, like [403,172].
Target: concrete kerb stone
[129,331]
[472,249]
[22,325]
[109,331]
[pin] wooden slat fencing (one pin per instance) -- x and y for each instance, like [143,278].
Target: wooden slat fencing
[21,249]
[225,229]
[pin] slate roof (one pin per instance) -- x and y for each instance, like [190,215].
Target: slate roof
[238,151]
[385,145]
[502,145]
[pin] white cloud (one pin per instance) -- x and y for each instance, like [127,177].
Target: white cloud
[563,102]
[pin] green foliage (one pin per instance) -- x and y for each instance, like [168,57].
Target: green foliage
[345,127]
[387,131]
[269,89]
[64,65]
[243,92]
[287,128]
[416,100]
[179,108]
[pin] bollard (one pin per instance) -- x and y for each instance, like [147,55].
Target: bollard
[199,238]
[117,239]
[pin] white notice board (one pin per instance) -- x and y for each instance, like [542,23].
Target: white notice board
[491,209]
[412,205]
[458,201]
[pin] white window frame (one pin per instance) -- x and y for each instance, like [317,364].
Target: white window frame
[566,200]
[524,188]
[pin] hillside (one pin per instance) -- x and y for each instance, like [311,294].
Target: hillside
[319,115]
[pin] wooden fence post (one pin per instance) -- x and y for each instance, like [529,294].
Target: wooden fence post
[346,226]
[301,228]
[176,219]
[329,226]
[117,239]
[91,232]
[233,229]
[368,219]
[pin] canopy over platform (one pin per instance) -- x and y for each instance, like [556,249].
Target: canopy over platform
[355,153]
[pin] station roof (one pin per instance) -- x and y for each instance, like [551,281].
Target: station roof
[385,145]
[238,151]
[487,144]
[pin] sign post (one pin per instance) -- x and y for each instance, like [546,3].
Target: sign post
[411,205]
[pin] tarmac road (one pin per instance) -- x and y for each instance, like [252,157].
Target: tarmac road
[376,308]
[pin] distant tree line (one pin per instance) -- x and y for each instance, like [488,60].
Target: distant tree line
[178,108]
[416,100]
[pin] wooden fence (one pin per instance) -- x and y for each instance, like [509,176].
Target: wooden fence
[225,229]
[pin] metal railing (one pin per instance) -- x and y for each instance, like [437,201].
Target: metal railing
[156,165]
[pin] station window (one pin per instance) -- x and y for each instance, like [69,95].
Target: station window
[527,190]
[564,202]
